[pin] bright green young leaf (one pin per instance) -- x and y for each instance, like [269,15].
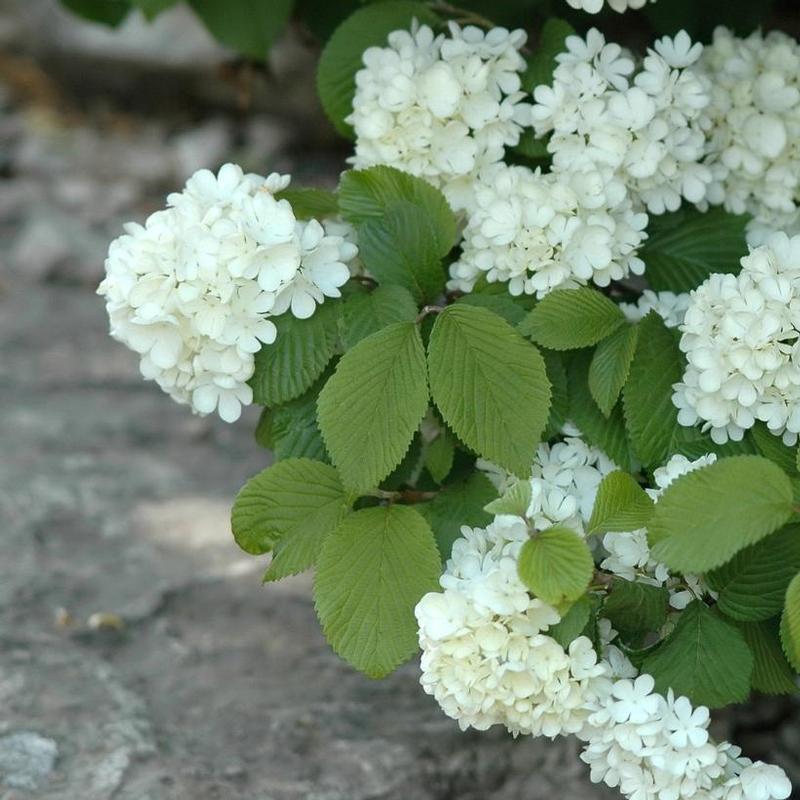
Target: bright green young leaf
[685,247]
[371,407]
[479,369]
[568,319]
[611,365]
[621,505]
[295,498]
[460,503]
[542,63]
[401,248]
[439,455]
[790,623]
[368,312]
[367,194]
[556,565]
[106,12]
[515,501]
[704,658]
[341,58]
[773,448]
[287,368]
[752,585]
[574,622]
[248,26]
[650,416]
[295,433]
[310,203]
[371,573]
[772,673]
[636,608]
[707,516]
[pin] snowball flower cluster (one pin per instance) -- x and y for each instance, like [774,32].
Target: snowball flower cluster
[440,107]
[540,232]
[741,336]
[669,306]
[193,289]
[753,125]
[644,127]
[595,6]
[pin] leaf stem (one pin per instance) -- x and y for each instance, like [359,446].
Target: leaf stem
[426,310]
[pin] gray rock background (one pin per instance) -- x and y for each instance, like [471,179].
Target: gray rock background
[140,656]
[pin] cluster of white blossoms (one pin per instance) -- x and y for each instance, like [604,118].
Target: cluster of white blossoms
[643,127]
[193,289]
[753,126]
[741,337]
[440,106]
[671,307]
[538,232]
[596,6]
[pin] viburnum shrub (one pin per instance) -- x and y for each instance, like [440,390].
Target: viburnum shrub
[530,375]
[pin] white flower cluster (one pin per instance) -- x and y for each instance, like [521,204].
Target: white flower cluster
[538,232]
[192,289]
[595,6]
[669,306]
[753,125]
[741,336]
[645,128]
[440,107]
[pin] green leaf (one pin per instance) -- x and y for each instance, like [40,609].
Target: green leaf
[310,203]
[152,8]
[460,503]
[559,406]
[371,407]
[705,517]
[295,498]
[556,565]
[704,658]
[621,505]
[289,366]
[295,433]
[650,416]
[573,623]
[480,368]
[542,63]
[636,608]
[771,671]
[342,56]
[106,12]
[366,313]
[263,431]
[790,623]
[439,455]
[773,448]
[515,501]
[607,434]
[367,194]
[611,366]
[401,248]
[752,585]
[503,306]
[370,574]
[248,26]
[568,319]
[685,247]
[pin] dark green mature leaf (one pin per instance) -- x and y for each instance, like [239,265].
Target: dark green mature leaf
[371,573]
[559,404]
[460,503]
[152,8]
[310,203]
[752,585]
[367,194]
[621,505]
[636,608]
[263,431]
[574,623]
[248,26]
[303,348]
[556,565]
[650,416]
[341,58]
[701,19]
[439,455]
[790,623]
[542,63]
[685,247]
[704,658]
[503,306]
[368,312]
[107,12]
[611,366]
[772,673]
[401,248]
[479,369]
[773,448]
[295,498]
[295,433]
[705,517]
[371,407]
[568,319]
